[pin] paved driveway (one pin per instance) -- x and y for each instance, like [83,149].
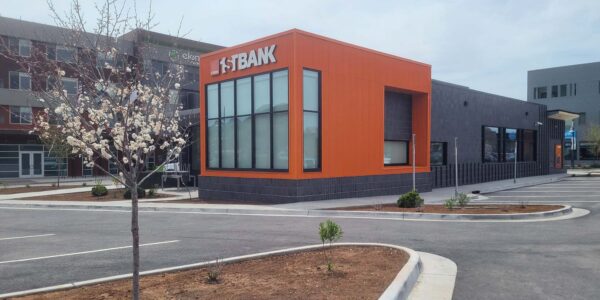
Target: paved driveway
[539,260]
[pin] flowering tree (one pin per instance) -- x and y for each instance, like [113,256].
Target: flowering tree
[120,112]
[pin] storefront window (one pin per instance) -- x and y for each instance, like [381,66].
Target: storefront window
[587,151]
[528,146]
[395,153]
[438,154]
[247,122]
[491,142]
[510,142]
[311,98]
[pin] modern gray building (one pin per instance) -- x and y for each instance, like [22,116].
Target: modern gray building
[574,88]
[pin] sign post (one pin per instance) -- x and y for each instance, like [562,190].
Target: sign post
[456,166]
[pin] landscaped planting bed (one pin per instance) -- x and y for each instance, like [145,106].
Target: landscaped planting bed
[113,195]
[359,272]
[469,209]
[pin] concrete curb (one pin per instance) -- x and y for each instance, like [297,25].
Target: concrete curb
[400,287]
[566,209]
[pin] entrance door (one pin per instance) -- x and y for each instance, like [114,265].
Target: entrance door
[32,164]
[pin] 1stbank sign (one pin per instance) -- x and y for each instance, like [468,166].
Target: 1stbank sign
[244,60]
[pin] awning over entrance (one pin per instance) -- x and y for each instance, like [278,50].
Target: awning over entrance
[562,115]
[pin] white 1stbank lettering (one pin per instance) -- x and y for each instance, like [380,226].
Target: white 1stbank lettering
[246,60]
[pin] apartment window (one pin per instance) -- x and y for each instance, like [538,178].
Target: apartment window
[51,51]
[191,75]
[541,92]
[71,85]
[554,91]
[574,89]
[563,90]
[191,100]
[20,114]
[160,67]
[491,144]
[25,48]
[510,143]
[20,81]
[311,105]
[247,122]
[66,54]
[438,154]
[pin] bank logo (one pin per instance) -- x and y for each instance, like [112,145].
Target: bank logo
[244,60]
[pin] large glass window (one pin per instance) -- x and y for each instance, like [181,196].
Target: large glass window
[311,102]
[438,154]
[510,142]
[491,144]
[253,117]
[587,151]
[20,81]
[395,153]
[528,145]
[540,92]
[20,114]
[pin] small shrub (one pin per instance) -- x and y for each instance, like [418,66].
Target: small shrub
[411,199]
[99,190]
[141,194]
[53,184]
[27,186]
[462,199]
[151,193]
[214,272]
[330,232]
[84,184]
[450,203]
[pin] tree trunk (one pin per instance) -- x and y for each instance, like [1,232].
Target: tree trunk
[135,234]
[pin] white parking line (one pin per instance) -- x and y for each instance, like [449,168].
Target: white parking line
[543,196]
[26,237]
[563,191]
[84,252]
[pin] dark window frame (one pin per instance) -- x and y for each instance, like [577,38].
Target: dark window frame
[319,122]
[252,116]
[501,144]
[444,153]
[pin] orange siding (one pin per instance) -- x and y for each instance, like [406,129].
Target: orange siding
[353,81]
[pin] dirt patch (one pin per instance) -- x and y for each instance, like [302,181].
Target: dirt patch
[469,209]
[359,273]
[17,190]
[113,195]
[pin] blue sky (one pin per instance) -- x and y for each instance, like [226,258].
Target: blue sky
[486,45]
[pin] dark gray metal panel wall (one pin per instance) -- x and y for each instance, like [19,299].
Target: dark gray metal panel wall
[285,191]
[461,112]
[398,116]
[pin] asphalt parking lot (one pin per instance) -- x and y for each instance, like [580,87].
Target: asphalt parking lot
[537,260]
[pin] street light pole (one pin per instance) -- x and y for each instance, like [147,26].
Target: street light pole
[516,147]
[414,163]
[456,166]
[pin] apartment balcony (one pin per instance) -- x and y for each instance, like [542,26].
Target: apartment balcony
[19,98]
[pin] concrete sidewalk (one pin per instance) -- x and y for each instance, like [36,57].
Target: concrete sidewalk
[435,196]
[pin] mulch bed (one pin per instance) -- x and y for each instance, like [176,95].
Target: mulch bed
[469,209]
[17,190]
[113,195]
[359,273]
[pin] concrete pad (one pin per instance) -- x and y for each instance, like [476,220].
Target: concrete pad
[438,275]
